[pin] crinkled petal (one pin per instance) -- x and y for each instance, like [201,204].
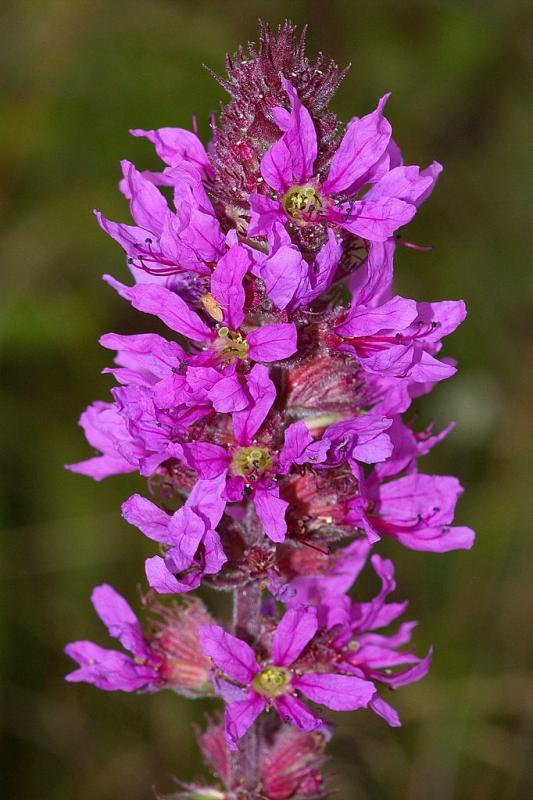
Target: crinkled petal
[226,284]
[214,555]
[415,673]
[294,632]
[263,393]
[271,510]
[129,237]
[375,220]
[282,273]
[297,439]
[272,342]
[394,315]
[291,159]
[101,467]
[265,213]
[119,619]
[233,656]
[146,516]
[386,711]
[296,713]
[405,183]
[186,529]
[163,581]
[171,309]
[320,274]
[433,171]
[208,460]
[361,147]
[229,394]
[148,207]
[173,145]
[107,669]
[338,692]
[438,540]
[241,715]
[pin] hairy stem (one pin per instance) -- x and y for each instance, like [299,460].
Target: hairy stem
[244,763]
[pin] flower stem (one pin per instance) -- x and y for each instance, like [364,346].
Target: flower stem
[244,762]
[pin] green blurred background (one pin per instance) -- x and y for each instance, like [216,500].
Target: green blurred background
[75,75]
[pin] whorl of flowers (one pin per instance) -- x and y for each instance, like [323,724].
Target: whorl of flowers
[269,423]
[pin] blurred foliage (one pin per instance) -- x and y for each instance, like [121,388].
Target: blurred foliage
[75,75]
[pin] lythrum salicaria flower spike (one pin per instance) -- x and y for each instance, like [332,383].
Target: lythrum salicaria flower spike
[269,422]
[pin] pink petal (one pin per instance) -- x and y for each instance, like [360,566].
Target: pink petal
[405,183]
[119,619]
[294,632]
[271,510]
[163,581]
[186,530]
[396,315]
[229,395]
[148,207]
[282,274]
[171,309]
[338,692]
[208,460]
[386,711]
[375,220]
[128,236]
[107,669]
[291,159]
[226,284]
[241,715]
[272,342]
[263,393]
[296,713]
[233,656]
[362,145]
[146,516]
[175,144]
[214,555]
[265,212]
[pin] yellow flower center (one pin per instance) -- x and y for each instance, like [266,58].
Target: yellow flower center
[231,345]
[272,681]
[302,202]
[251,461]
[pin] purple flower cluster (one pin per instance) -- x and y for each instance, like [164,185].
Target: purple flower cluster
[269,423]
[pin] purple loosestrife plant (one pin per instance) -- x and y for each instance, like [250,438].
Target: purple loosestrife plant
[269,424]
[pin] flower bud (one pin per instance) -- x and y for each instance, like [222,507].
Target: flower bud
[184,667]
[212,743]
[292,766]
[323,390]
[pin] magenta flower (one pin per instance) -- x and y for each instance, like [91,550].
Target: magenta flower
[375,656]
[416,509]
[107,432]
[325,587]
[399,337]
[290,281]
[268,343]
[164,243]
[274,683]
[169,657]
[194,546]
[365,155]
[110,669]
